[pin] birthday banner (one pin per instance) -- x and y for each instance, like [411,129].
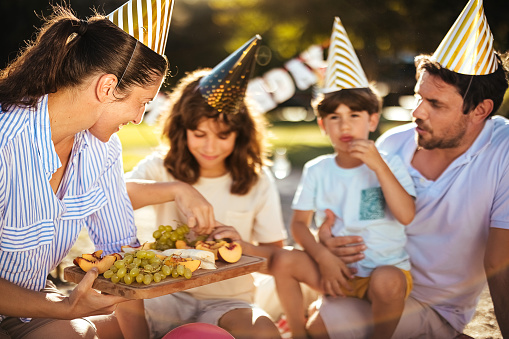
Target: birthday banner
[279,84]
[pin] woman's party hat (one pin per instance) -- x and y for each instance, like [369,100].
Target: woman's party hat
[148,21]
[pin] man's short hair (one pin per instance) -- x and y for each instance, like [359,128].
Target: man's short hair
[473,88]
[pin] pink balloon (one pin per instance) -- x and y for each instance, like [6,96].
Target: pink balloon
[197,331]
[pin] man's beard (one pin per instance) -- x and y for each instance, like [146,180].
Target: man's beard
[451,140]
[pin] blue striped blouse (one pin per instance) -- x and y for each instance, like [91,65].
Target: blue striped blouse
[39,227]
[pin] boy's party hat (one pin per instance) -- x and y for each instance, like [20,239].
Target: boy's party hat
[148,21]
[468,46]
[344,69]
[224,88]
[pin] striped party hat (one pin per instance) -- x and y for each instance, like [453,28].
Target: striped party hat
[224,88]
[344,69]
[148,21]
[468,46]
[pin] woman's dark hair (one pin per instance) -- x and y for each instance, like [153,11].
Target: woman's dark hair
[188,110]
[473,88]
[67,50]
[357,99]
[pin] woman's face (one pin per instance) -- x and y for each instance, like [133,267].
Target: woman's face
[210,144]
[122,111]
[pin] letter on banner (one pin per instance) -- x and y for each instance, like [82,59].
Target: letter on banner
[303,76]
[256,90]
[280,84]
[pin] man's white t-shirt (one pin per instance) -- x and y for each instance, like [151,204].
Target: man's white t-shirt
[447,239]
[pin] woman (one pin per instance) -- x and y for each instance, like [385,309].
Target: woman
[62,100]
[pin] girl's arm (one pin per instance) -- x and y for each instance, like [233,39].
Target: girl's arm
[400,203]
[198,211]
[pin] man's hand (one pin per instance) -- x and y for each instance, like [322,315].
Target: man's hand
[348,248]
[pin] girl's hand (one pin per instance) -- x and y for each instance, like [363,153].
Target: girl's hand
[223,232]
[198,211]
[366,151]
[85,301]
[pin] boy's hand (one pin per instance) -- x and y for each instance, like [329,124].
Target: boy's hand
[334,276]
[366,151]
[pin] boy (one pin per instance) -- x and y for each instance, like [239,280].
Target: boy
[371,196]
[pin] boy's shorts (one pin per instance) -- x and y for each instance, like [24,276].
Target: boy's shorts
[360,286]
[169,311]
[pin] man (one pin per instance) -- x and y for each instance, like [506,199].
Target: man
[457,155]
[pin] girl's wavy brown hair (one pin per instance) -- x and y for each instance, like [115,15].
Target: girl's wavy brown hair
[188,109]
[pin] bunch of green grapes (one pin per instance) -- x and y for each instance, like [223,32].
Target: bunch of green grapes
[143,267]
[166,236]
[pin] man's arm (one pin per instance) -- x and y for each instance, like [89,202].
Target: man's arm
[496,265]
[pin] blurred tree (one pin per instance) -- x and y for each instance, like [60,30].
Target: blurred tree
[386,34]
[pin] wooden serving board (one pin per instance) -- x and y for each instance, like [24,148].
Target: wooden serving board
[246,264]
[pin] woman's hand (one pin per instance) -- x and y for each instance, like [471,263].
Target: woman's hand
[225,232]
[348,248]
[85,301]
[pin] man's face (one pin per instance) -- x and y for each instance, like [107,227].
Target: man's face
[438,113]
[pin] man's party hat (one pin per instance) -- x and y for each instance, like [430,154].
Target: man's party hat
[468,46]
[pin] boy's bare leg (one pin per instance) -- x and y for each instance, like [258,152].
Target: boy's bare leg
[242,324]
[386,292]
[290,268]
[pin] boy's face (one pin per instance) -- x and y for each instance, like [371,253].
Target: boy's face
[345,125]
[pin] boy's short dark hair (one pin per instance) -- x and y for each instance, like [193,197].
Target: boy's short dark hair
[357,99]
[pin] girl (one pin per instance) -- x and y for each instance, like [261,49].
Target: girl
[222,156]
[61,102]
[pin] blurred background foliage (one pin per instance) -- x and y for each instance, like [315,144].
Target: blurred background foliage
[386,34]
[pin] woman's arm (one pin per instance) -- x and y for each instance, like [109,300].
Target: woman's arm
[83,301]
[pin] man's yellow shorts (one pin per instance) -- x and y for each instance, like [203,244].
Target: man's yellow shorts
[360,286]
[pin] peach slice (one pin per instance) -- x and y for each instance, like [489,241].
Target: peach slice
[181,244]
[230,252]
[102,264]
[206,246]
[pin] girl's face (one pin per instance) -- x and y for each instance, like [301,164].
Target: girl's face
[210,144]
[126,110]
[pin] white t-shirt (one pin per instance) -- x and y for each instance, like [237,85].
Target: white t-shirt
[447,238]
[257,216]
[355,197]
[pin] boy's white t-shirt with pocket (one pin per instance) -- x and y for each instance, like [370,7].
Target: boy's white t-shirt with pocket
[355,197]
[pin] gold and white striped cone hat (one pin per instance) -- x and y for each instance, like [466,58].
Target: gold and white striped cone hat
[468,46]
[344,69]
[148,21]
